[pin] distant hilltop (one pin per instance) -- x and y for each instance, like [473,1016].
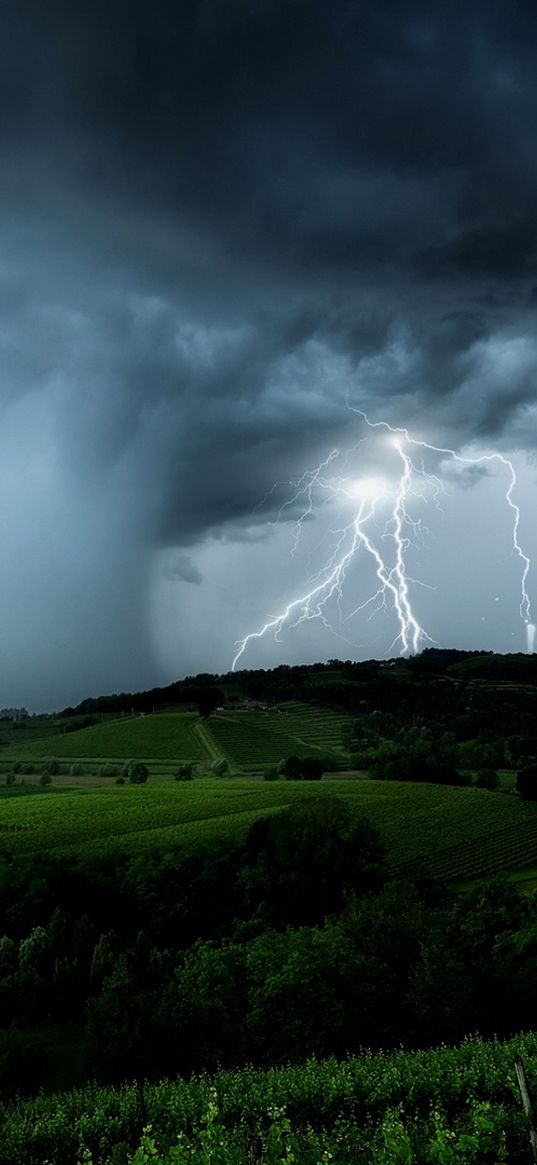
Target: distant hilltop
[345,683]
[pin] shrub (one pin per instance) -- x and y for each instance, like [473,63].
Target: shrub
[77,770]
[271,774]
[291,768]
[137,773]
[219,766]
[120,780]
[108,770]
[51,766]
[487,779]
[17,767]
[362,760]
[185,772]
[45,780]
[312,768]
[11,779]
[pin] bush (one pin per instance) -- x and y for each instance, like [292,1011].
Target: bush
[487,779]
[271,774]
[77,770]
[362,760]
[45,780]
[306,768]
[219,767]
[185,772]
[312,768]
[11,779]
[108,770]
[291,768]
[137,773]
[120,780]
[51,766]
[17,767]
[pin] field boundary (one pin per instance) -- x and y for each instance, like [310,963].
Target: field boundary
[204,736]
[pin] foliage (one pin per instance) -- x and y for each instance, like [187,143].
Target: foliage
[526,782]
[45,780]
[305,768]
[487,779]
[136,773]
[108,770]
[219,766]
[446,1106]
[185,772]
[77,770]
[300,863]
[414,762]
[208,699]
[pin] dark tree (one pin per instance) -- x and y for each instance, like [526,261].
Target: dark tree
[300,863]
[526,783]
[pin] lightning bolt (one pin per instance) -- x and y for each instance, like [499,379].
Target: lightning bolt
[401,531]
[311,604]
[525,605]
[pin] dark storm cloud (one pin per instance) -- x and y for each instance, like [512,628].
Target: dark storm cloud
[220,217]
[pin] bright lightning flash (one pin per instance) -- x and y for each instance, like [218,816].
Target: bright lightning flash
[401,531]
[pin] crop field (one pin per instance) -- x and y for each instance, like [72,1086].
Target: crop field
[417,822]
[374,1107]
[254,739]
[166,737]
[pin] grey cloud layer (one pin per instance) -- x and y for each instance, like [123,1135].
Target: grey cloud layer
[219,217]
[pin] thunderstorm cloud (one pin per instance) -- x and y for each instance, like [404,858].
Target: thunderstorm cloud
[221,221]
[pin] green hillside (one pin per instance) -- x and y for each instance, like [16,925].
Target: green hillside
[417,821]
[166,737]
[248,739]
[252,739]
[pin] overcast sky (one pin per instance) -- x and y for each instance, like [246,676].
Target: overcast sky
[220,221]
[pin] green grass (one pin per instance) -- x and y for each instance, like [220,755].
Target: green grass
[164,737]
[417,821]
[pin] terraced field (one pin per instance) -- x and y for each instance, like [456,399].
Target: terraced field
[164,737]
[254,739]
[418,822]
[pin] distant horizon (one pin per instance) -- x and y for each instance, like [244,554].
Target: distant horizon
[231,676]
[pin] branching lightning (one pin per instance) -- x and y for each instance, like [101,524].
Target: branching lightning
[386,547]
[525,605]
